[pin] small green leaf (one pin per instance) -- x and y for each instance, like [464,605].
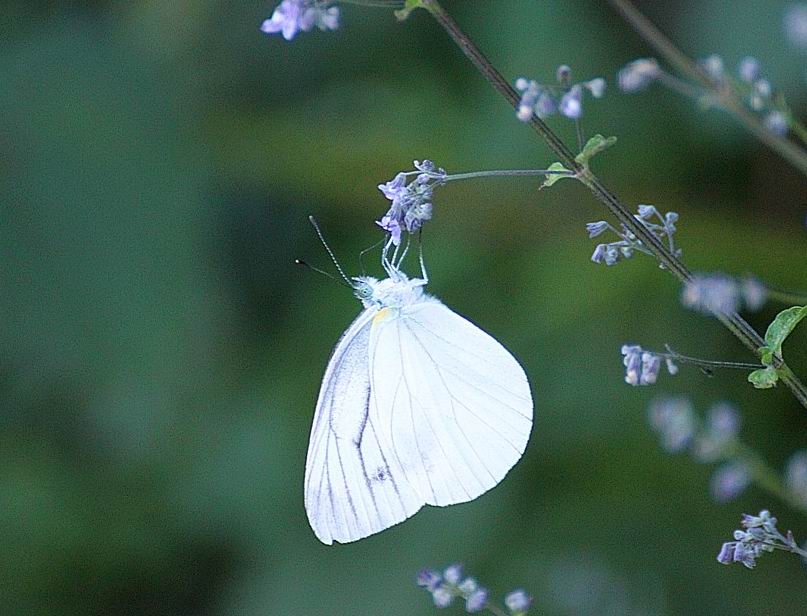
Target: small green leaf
[594,146]
[408,7]
[766,355]
[551,178]
[782,325]
[764,378]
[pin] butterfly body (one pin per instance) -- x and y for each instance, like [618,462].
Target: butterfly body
[417,406]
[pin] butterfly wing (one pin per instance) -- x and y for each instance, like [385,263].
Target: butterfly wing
[453,405]
[353,487]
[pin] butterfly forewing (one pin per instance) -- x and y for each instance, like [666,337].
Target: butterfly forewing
[352,485]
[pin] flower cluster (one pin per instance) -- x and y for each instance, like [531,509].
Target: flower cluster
[757,536]
[411,202]
[565,98]
[749,84]
[756,90]
[719,293]
[293,16]
[451,584]
[714,440]
[663,227]
[642,367]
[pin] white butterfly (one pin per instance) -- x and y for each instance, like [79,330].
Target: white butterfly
[417,406]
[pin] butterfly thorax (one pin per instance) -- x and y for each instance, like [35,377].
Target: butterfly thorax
[390,292]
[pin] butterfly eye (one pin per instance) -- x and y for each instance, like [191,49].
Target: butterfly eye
[363,290]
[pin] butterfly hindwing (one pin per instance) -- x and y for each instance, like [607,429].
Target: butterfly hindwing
[452,404]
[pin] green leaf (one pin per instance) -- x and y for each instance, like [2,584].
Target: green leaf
[764,378]
[782,325]
[408,7]
[551,178]
[766,356]
[594,146]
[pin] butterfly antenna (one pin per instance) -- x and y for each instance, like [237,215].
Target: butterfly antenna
[314,224]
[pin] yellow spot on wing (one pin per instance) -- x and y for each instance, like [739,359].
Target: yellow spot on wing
[382,314]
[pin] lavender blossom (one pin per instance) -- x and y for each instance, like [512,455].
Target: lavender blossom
[719,435]
[571,104]
[518,601]
[713,67]
[719,293]
[293,16]
[776,123]
[749,69]
[663,227]
[451,584]
[476,601]
[565,98]
[759,536]
[796,476]
[729,481]
[795,25]
[674,421]
[711,293]
[411,203]
[638,75]
[643,367]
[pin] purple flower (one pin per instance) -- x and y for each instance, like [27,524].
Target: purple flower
[571,104]
[442,597]
[711,293]
[596,228]
[674,420]
[518,601]
[729,481]
[391,226]
[754,293]
[530,91]
[293,16]
[596,87]
[737,552]
[395,189]
[796,475]
[411,203]
[713,67]
[429,579]
[639,74]
[749,69]
[642,367]
[776,122]
[795,23]
[545,106]
[476,601]
[453,574]
[760,536]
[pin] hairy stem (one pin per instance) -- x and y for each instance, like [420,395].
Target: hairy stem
[724,94]
[733,321]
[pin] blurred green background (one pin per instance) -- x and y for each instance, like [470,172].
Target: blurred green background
[161,355]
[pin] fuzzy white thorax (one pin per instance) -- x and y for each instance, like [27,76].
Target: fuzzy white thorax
[393,292]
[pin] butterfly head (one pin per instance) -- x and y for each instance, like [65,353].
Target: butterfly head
[390,292]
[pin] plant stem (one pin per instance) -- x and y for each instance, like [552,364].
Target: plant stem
[733,321]
[723,93]
[504,173]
